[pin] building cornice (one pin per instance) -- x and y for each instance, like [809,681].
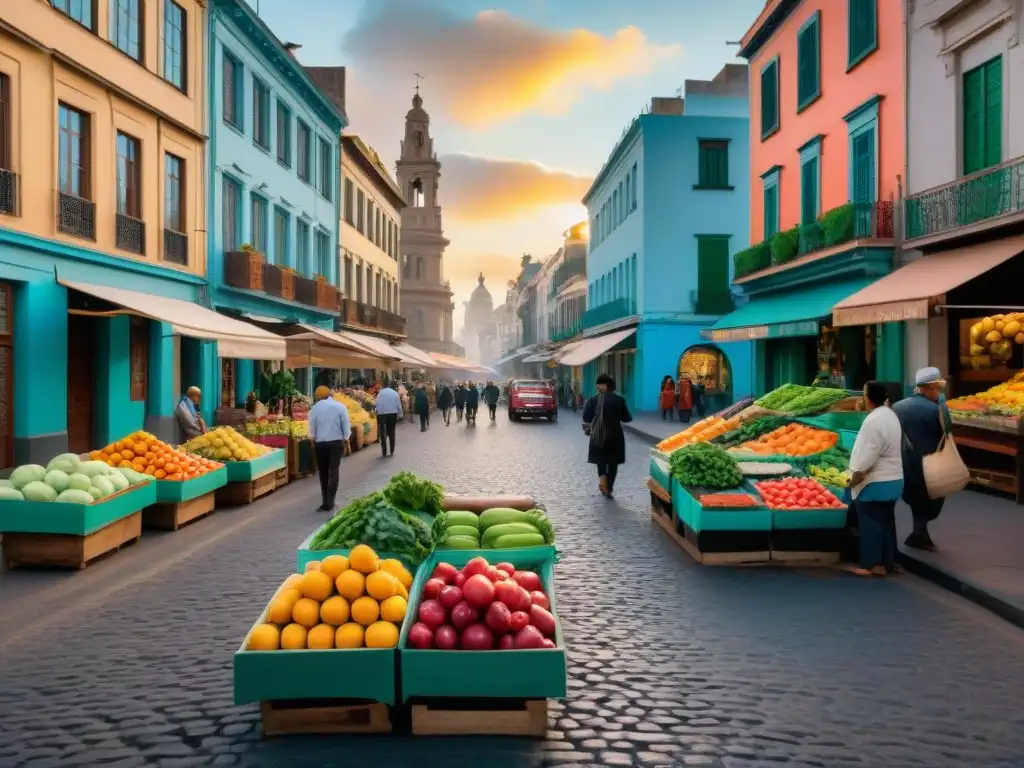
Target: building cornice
[769,21]
[352,146]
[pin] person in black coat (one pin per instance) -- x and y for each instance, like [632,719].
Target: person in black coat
[603,417]
[460,400]
[444,404]
[491,395]
[472,402]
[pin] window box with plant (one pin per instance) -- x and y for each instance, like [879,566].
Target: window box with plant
[305,290]
[327,295]
[287,283]
[244,268]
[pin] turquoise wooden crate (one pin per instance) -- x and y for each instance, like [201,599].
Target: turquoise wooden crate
[808,519]
[660,472]
[74,519]
[523,674]
[689,510]
[682,503]
[336,673]
[304,554]
[246,471]
[175,491]
[836,421]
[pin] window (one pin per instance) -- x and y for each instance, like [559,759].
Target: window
[771,202]
[862,30]
[360,212]
[809,197]
[231,214]
[175,239]
[302,137]
[232,95]
[770,98]
[983,116]
[629,197]
[258,229]
[74,152]
[808,62]
[138,356]
[174,44]
[326,174]
[377,231]
[419,267]
[260,113]
[129,157]
[80,10]
[349,203]
[615,208]
[713,164]
[6,376]
[633,201]
[302,248]
[862,124]
[126,27]
[8,180]
[281,221]
[323,253]
[284,135]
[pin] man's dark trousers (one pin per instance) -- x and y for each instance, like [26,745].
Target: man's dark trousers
[328,459]
[386,424]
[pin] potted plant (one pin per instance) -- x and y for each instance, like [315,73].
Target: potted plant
[327,296]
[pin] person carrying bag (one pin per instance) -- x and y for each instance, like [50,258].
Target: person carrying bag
[603,417]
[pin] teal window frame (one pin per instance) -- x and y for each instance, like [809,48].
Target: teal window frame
[634,175]
[303,247]
[283,135]
[990,147]
[233,238]
[323,253]
[712,164]
[770,183]
[259,225]
[232,104]
[766,128]
[861,20]
[808,90]
[260,113]
[861,120]
[810,153]
[282,237]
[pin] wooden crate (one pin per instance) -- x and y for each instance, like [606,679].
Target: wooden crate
[247,491]
[281,477]
[283,718]
[172,515]
[480,717]
[70,550]
[689,542]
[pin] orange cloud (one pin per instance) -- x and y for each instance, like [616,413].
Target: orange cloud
[493,67]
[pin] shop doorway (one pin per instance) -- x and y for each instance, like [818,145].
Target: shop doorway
[709,366]
[81,384]
[790,361]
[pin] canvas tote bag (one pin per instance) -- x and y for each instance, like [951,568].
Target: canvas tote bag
[944,471]
[598,432]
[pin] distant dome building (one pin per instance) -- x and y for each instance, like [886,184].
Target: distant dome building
[479,316]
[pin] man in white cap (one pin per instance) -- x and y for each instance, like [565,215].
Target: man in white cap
[924,418]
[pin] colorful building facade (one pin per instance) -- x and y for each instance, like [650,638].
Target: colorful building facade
[827,152]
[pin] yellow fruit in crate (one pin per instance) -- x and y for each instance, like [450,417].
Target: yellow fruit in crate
[977,349]
[280,611]
[317,585]
[320,637]
[265,637]
[393,609]
[306,612]
[293,581]
[363,559]
[334,565]
[1011,329]
[334,611]
[993,336]
[351,584]
[1000,324]
[381,585]
[403,592]
[312,565]
[988,324]
[349,636]
[1019,338]
[398,570]
[977,332]
[381,634]
[293,637]
[365,611]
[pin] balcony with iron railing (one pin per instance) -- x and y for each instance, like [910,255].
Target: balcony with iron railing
[129,234]
[248,270]
[76,216]
[356,313]
[616,309]
[986,199]
[565,333]
[566,271]
[8,192]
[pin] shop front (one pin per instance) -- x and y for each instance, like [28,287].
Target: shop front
[613,353]
[708,366]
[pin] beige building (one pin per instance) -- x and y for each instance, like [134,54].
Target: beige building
[371,210]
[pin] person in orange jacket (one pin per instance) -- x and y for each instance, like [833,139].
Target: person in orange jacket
[668,398]
[684,399]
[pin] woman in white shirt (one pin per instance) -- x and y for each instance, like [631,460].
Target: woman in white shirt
[877,482]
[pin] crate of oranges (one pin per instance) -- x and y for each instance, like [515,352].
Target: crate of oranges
[793,439]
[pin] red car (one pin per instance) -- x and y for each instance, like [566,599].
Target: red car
[533,399]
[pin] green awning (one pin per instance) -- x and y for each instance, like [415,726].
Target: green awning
[790,313]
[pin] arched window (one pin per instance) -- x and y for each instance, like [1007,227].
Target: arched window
[419,267]
[707,365]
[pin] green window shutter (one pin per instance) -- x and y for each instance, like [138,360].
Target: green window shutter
[714,164]
[771,211]
[809,191]
[770,99]
[864,167]
[862,29]
[713,295]
[993,117]
[973,111]
[808,63]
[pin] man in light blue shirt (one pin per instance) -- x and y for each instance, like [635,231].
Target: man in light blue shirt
[330,429]
[389,411]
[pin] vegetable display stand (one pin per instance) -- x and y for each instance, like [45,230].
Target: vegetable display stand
[72,535]
[729,536]
[808,535]
[301,458]
[251,480]
[305,554]
[179,502]
[659,469]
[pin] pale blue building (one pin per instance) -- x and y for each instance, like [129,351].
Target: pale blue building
[274,193]
[667,212]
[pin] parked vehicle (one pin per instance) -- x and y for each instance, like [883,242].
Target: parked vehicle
[532,398]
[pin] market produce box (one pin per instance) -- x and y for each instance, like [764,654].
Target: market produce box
[834,421]
[816,518]
[659,471]
[304,554]
[176,491]
[536,673]
[74,519]
[245,471]
[690,512]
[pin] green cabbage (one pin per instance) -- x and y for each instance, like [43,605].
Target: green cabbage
[74,496]
[56,479]
[38,491]
[27,473]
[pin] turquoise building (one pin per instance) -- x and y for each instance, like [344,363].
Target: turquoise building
[667,212]
[274,197]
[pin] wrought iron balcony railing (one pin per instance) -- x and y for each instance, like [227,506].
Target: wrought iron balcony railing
[175,247]
[8,192]
[607,312]
[981,198]
[76,216]
[566,271]
[129,234]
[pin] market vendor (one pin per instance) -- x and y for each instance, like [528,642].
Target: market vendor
[187,414]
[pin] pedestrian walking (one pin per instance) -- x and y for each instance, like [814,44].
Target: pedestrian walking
[421,404]
[472,403]
[925,419]
[572,397]
[603,417]
[389,413]
[460,400]
[684,399]
[445,399]
[877,482]
[668,399]
[329,429]
[491,395]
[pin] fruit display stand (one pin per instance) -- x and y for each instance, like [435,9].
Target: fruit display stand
[179,502]
[72,535]
[715,536]
[495,692]
[251,480]
[992,447]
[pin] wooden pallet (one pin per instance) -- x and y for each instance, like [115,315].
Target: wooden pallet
[70,550]
[172,515]
[283,718]
[481,717]
[707,558]
[247,491]
[281,477]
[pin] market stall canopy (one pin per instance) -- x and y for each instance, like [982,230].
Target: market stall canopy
[409,352]
[540,357]
[909,292]
[458,363]
[378,347]
[307,352]
[522,351]
[234,338]
[591,349]
[336,347]
[786,314]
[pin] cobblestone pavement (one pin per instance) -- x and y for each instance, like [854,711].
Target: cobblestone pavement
[128,663]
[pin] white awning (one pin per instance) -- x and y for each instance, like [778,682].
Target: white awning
[378,347]
[234,338]
[409,352]
[540,357]
[591,349]
[337,350]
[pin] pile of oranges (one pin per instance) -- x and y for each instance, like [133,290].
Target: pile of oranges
[702,432]
[142,452]
[792,440]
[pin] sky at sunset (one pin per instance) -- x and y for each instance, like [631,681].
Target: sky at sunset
[526,102]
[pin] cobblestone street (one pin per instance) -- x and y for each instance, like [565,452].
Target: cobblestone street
[128,663]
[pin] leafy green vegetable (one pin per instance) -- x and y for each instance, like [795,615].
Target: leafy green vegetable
[750,431]
[800,400]
[703,465]
[413,493]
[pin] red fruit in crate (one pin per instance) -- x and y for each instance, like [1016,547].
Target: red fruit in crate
[521,600]
[446,637]
[477,565]
[506,567]
[543,620]
[519,620]
[432,613]
[460,579]
[507,592]
[420,636]
[549,643]
[479,591]
[506,643]
[498,618]
[477,637]
[433,588]
[445,571]
[529,637]
[539,598]
[463,615]
[494,574]
[528,580]
[450,596]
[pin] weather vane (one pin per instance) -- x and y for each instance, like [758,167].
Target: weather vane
[418,77]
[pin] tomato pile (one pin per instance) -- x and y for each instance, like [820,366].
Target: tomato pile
[797,493]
